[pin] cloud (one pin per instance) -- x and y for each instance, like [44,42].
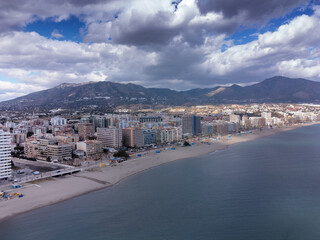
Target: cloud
[16,14]
[43,62]
[258,11]
[144,23]
[155,43]
[271,52]
[10,90]
[141,22]
[55,34]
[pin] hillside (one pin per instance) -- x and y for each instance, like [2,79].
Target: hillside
[107,95]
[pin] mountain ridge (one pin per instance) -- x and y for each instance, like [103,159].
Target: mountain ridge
[108,95]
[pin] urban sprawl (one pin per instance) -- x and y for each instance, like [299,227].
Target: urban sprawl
[80,139]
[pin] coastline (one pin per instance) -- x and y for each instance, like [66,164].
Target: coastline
[56,190]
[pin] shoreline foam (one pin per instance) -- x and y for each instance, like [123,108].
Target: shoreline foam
[65,188]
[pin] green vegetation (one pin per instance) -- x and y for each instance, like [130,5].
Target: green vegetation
[18,151]
[29,134]
[186,144]
[19,148]
[121,153]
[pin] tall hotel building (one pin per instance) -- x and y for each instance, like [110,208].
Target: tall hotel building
[5,155]
[132,137]
[191,124]
[110,137]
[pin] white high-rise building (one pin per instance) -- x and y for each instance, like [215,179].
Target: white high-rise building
[235,118]
[5,155]
[57,121]
[266,115]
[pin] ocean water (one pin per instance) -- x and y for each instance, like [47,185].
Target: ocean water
[265,189]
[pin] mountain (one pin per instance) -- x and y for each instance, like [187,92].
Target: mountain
[103,95]
[273,90]
[107,95]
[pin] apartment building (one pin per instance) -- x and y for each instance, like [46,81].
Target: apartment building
[150,119]
[110,137]
[133,137]
[191,124]
[149,136]
[90,147]
[5,155]
[168,135]
[85,130]
[31,148]
[58,121]
[59,152]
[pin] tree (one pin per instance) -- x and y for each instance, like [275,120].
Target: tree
[121,153]
[19,148]
[29,134]
[186,144]
[14,154]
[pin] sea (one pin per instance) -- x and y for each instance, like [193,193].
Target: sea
[267,189]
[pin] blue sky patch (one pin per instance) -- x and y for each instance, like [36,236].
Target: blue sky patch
[245,35]
[65,30]
[6,79]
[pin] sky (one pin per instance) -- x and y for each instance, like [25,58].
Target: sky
[177,44]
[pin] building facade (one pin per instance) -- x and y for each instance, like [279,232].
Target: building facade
[58,121]
[168,135]
[191,124]
[110,137]
[150,119]
[5,155]
[59,152]
[149,136]
[85,130]
[90,147]
[133,137]
[100,122]
[235,118]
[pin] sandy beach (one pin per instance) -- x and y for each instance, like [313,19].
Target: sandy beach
[54,190]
